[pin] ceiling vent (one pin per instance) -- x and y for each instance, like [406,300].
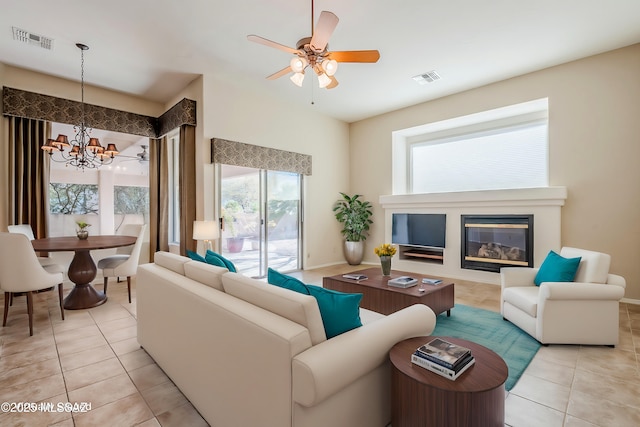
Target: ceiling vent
[32,39]
[428,77]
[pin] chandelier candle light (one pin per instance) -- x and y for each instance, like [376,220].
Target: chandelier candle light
[84,152]
[385,252]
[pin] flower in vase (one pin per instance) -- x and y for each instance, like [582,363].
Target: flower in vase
[386,249]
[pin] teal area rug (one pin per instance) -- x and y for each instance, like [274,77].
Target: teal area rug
[487,328]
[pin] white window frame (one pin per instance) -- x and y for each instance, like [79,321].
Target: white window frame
[173,145]
[478,123]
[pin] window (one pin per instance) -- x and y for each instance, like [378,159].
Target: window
[498,149]
[73,199]
[130,204]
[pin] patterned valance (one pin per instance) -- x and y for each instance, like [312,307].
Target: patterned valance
[183,113]
[20,103]
[254,156]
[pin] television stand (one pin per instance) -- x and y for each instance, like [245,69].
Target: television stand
[414,253]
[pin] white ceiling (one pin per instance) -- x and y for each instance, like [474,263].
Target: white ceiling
[154,48]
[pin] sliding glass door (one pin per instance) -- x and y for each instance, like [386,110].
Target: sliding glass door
[261,219]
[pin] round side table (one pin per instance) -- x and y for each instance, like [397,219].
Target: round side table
[420,397]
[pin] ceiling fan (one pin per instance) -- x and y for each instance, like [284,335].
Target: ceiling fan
[142,156]
[312,52]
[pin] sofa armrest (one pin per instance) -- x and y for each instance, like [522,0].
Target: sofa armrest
[330,366]
[614,279]
[517,276]
[580,291]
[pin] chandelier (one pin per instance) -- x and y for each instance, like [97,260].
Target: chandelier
[83,151]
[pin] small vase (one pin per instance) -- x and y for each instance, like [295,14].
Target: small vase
[385,261]
[82,234]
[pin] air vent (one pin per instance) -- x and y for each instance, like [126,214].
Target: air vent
[32,39]
[428,77]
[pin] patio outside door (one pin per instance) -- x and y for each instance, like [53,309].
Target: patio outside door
[261,219]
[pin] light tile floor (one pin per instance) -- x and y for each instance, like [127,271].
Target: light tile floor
[93,357]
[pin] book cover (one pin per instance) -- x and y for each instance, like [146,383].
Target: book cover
[444,352]
[403,282]
[355,276]
[428,281]
[454,369]
[439,369]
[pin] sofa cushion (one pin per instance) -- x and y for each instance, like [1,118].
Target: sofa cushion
[594,266]
[195,256]
[171,261]
[205,273]
[276,278]
[299,308]
[556,268]
[215,259]
[340,311]
[523,297]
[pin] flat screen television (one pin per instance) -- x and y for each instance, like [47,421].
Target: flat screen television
[419,229]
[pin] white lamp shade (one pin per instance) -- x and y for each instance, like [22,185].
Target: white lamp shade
[323,80]
[298,64]
[297,79]
[330,66]
[205,230]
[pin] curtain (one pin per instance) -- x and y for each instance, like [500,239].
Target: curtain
[28,174]
[187,187]
[158,196]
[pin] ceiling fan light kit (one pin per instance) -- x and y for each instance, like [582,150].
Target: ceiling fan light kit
[313,52]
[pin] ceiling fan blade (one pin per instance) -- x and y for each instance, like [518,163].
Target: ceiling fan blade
[326,24]
[266,42]
[334,83]
[355,56]
[278,74]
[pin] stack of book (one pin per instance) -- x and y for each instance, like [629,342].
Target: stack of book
[444,358]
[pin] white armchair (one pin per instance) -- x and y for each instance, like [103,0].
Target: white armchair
[123,264]
[585,311]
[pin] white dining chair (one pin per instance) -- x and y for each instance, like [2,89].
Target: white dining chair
[123,264]
[28,231]
[20,272]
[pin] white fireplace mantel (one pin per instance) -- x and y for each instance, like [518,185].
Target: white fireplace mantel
[541,196]
[543,203]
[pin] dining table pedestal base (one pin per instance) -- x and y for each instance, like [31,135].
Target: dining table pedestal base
[84,296]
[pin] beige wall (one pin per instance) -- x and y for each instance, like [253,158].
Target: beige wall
[235,110]
[594,132]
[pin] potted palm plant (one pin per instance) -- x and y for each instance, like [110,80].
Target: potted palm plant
[355,216]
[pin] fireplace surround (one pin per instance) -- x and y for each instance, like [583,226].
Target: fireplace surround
[490,242]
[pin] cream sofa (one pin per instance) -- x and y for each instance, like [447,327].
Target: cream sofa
[246,353]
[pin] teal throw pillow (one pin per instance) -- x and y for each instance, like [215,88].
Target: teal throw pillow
[195,256]
[556,268]
[287,282]
[217,259]
[340,312]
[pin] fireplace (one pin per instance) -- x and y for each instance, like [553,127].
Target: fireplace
[489,242]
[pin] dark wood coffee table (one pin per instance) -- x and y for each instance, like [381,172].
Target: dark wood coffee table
[382,298]
[420,397]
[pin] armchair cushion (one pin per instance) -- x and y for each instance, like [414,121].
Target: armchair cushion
[525,298]
[594,266]
[556,268]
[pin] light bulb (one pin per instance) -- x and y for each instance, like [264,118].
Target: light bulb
[330,66]
[298,64]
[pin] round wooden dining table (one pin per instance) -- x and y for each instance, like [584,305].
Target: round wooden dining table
[82,269]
